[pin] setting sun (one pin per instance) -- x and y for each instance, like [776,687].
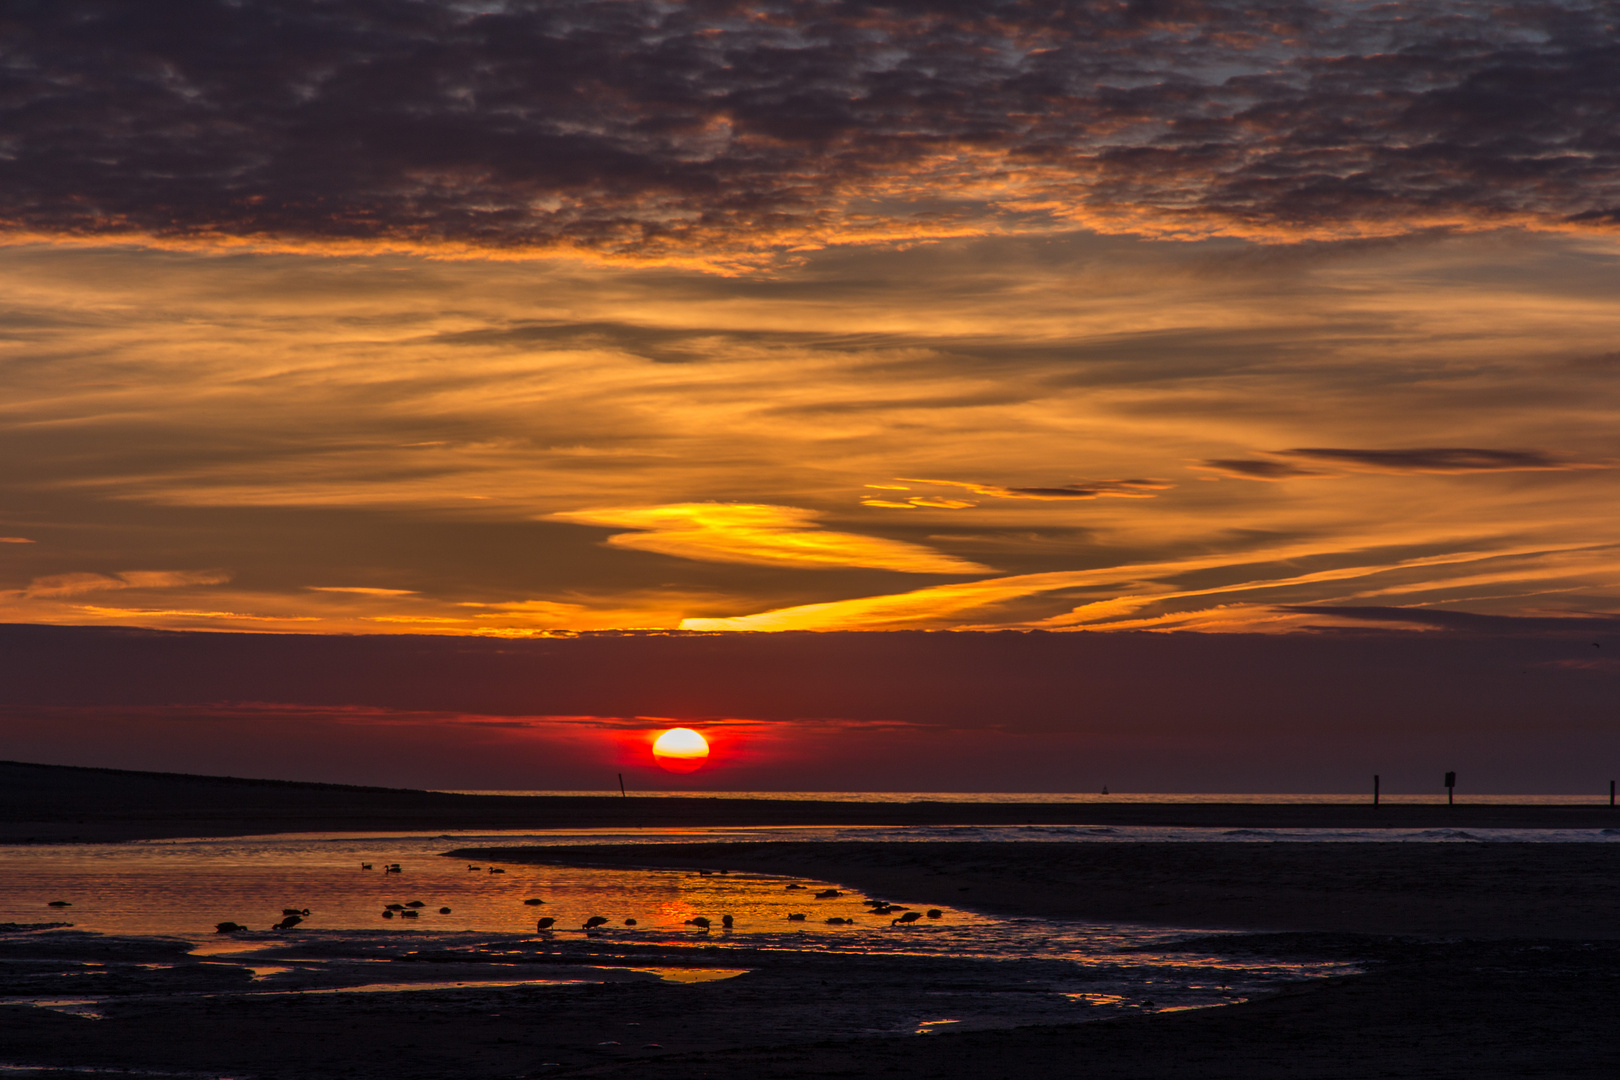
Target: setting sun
[681,750]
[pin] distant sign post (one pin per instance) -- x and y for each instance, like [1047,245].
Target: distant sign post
[1451,786]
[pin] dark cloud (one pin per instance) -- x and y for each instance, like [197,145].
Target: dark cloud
[1088,489]
[1256,469]
[1582,627]
[699,128]
[1443,459]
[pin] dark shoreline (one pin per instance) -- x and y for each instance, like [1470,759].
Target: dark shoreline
[65,804]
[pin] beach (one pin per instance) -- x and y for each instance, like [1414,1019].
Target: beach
[1448,958]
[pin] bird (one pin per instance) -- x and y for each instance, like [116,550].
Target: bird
[365,866]
[699,921]
[444,911]
[907,919]
[288,923]
[546,923]
[396,907]
[828,894]
[797,916]
[534,901]
[228,928]
[934,913]
[416,903]
[470,866]
[836,921]
[496,870]
[294,911]
[629,922]
[594,921]
[409,913]
[58,903]
[795,886]
[387,914]
[726,921]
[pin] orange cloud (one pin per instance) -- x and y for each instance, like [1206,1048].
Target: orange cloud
[76,584]
[762,535]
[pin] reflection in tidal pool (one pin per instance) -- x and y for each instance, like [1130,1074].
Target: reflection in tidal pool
[957,968]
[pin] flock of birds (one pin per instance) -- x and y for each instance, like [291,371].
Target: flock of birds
[292,917]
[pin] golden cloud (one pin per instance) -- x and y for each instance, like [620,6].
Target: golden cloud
[762,535]
[76,584]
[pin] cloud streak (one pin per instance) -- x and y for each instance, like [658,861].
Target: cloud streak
[763,535]
[715,131]
[1444,460]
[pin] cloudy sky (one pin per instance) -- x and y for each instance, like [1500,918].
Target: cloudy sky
[519,319]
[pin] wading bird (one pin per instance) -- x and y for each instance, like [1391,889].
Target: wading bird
[546,923]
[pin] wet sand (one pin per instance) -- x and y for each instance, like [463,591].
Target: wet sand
[61,804]
[1498,890]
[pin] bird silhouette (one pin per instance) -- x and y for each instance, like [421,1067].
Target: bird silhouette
[534,901]
[444,911]
[699,921]
[828,894]
[934,913]
[907,919]
[546,923]
[288,923]
[726,921]
[594,921]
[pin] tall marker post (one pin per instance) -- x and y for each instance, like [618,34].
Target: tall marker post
[1375,789]
[1451,785]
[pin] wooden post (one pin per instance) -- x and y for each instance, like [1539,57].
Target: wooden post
[1451,784]
[1611,792]
[1375,789]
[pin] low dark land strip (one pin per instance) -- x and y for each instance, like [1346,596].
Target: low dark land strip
[54,804]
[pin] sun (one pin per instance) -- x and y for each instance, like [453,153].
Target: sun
[681,750]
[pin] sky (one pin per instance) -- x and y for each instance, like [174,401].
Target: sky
[507,322]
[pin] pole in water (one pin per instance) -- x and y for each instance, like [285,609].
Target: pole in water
[1375,789]
[1451,784]
[1611,792]
[621,786]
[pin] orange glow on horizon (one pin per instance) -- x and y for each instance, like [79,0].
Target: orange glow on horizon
[681,750]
